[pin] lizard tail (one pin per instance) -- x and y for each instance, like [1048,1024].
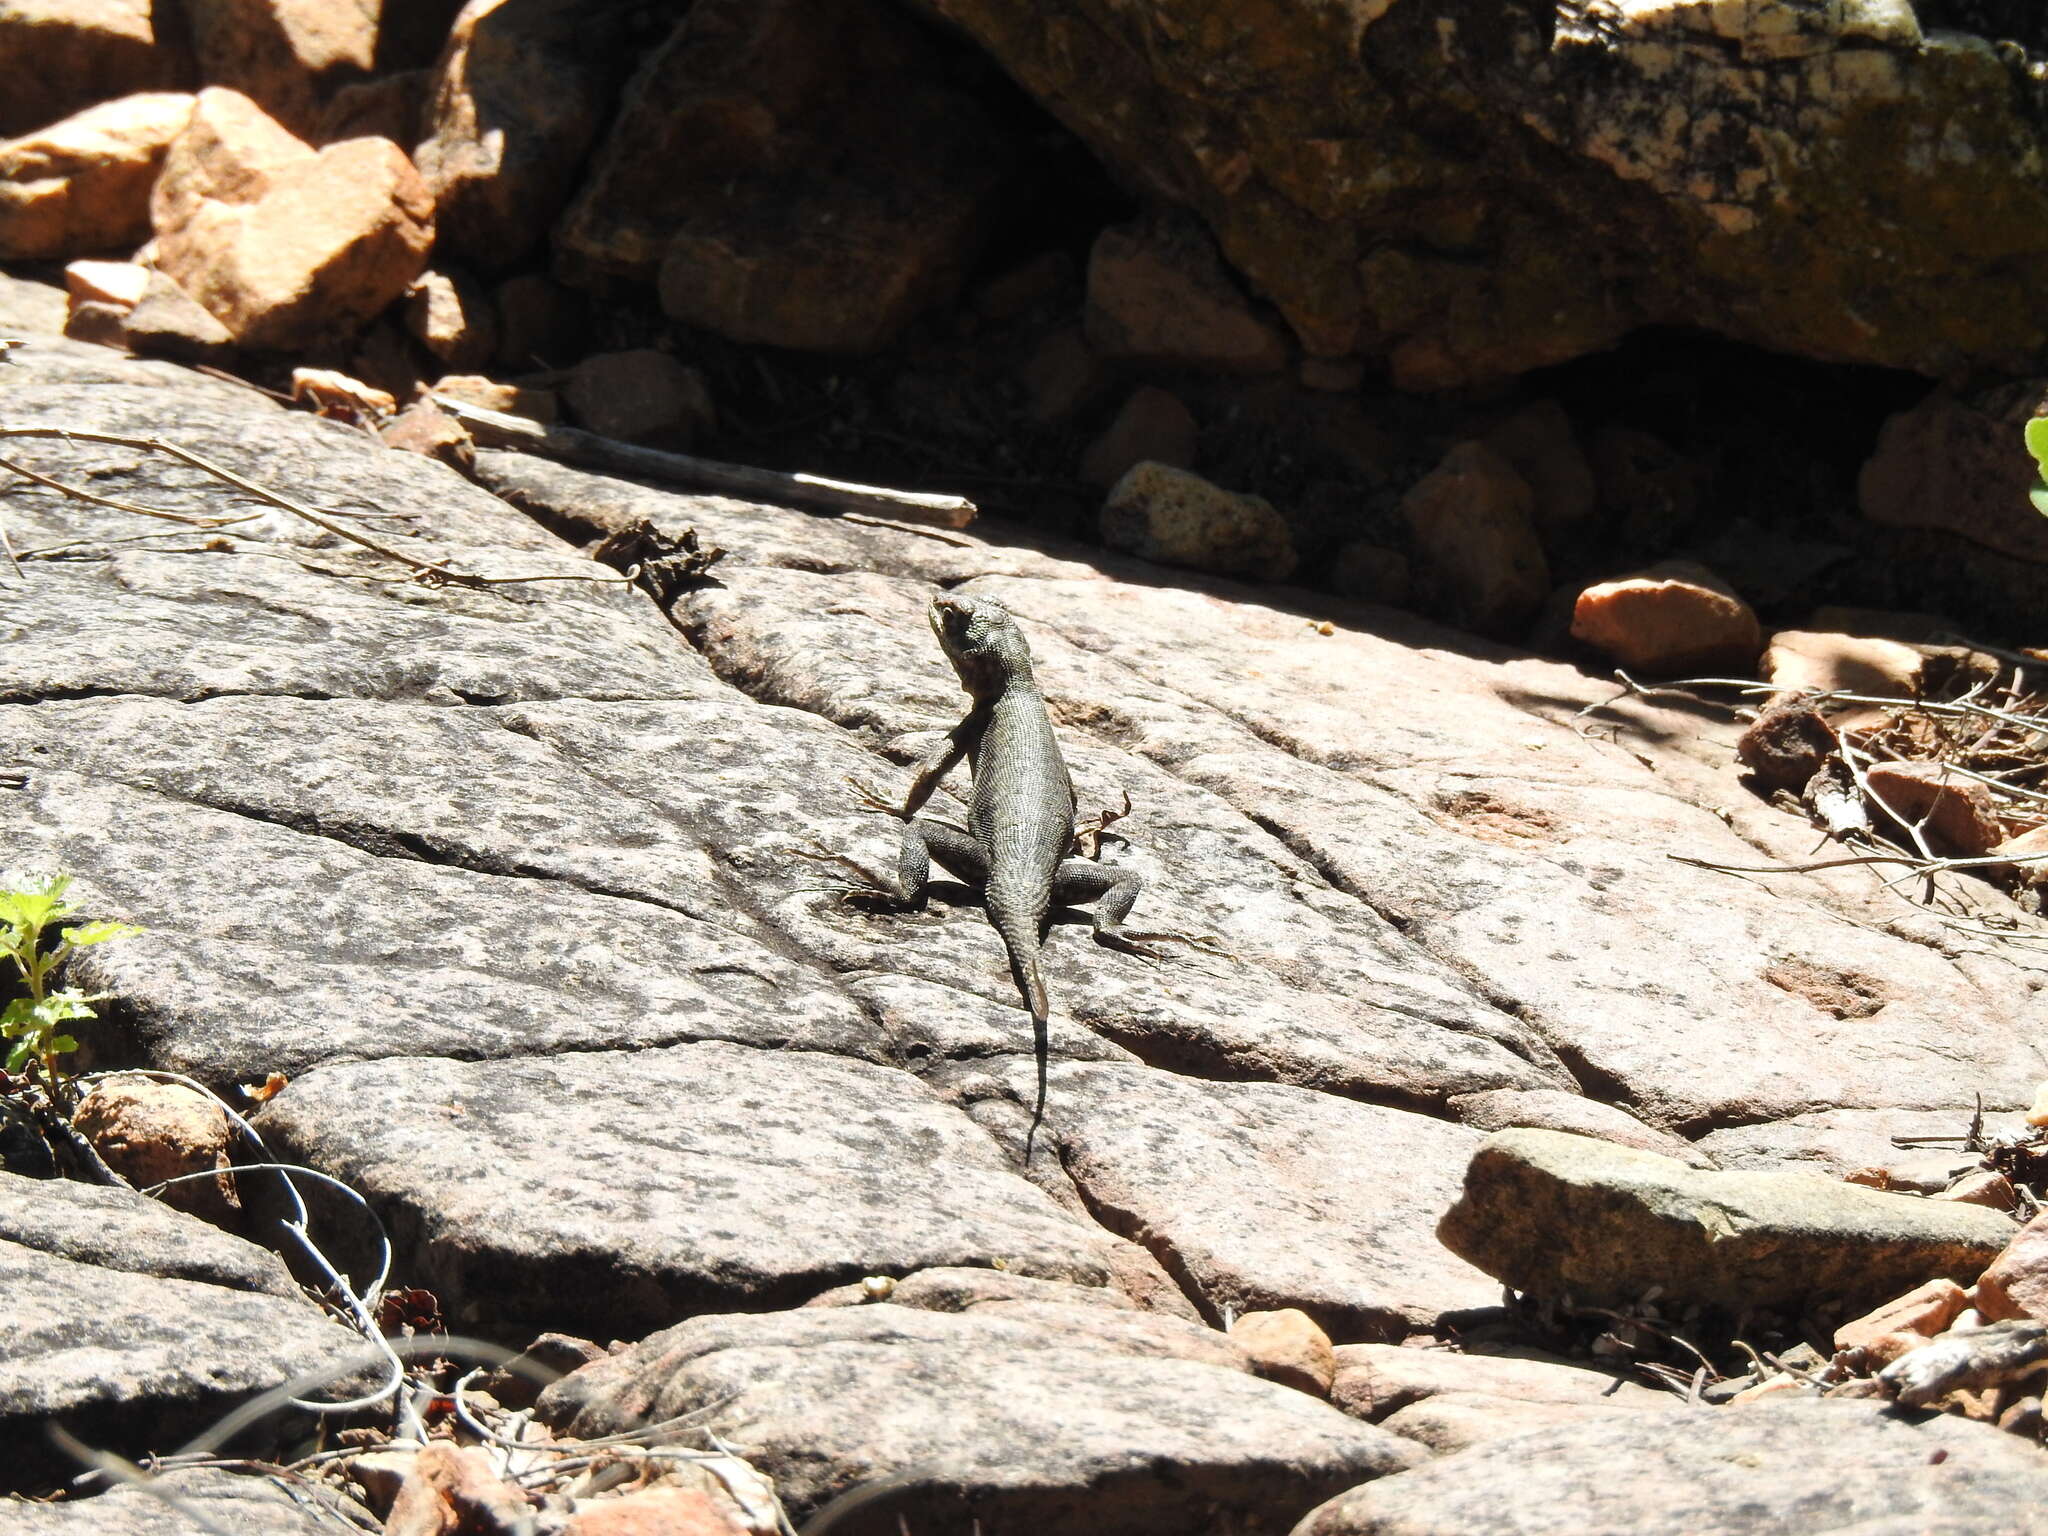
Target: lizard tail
[1022,942]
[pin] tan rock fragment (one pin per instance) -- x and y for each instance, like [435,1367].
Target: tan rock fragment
[284,245]
[450,315]
[2037,1114]
[2015,1284]
[169,322]
[640,395]
[102,324]
[328,391]
[1161,513]
[1472,517]
[2029,855]
[1786,744]
[1676,617]
[1153,424]
[106,282]
[433,433]
[1812,660]
[1955,814]
[151,1131]
[1158,294]
[1286,1346]
[653,1512]
[82,185]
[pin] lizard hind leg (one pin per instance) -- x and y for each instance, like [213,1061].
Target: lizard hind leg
[1114,891]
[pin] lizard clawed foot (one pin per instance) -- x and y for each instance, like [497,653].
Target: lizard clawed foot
[1139,944]
[1096,827]
[873,798]
[865,888]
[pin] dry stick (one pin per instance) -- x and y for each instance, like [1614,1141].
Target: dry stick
[189,519]
[428,571]
[497,429]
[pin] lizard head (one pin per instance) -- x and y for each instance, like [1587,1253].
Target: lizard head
[982,641]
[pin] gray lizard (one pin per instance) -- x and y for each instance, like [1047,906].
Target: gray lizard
[1020,819]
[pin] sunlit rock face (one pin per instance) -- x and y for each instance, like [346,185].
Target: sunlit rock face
[1470,189]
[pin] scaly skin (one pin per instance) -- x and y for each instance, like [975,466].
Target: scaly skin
[1020,821]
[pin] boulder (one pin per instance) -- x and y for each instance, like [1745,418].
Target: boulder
[285,55]
[1673,619]
[1826,662]
[1959,465]
[1464,195]
[1158,295]
[231,1504]
[283,244]
[1152,424]
[81,186]
[987,1419]
[1553,1109]
[1923,1312]
[1551,1213]
[1539,442]
[1783,1464]
[1473,520]
[518,97]
[719,1178]
[62,56]
[796,173]
[1839,1143]
[1176,517]
[178,1321]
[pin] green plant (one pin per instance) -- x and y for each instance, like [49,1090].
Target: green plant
[30,906]
[2037,445]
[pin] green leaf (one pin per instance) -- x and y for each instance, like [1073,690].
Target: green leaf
[99,933]
[2039,497]
[68,1004]
[2037,440]
[19,1058]
[60,1043]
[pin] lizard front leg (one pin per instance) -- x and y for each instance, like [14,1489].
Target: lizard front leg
[1114,891]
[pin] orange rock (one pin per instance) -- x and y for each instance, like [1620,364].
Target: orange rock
[287,246]
[1673,618]
[1286,1346]
[1955,813]
[1152,425]
[2016,1283]
[1158,294]
[1925,1311]
[1786,744]
[62,56]
[100,323]
[1986,1186]
[433,433]
[1825,663]
[2029,853]
[82,185]
[1472,517]
[283,54]
[150,1131]
[654,1512]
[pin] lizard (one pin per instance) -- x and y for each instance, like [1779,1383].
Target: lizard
[1020,820]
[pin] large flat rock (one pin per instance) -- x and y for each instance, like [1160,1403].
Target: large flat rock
[1753,1470]
[997,1420]
[1554,1214]
[1257,1196]
[611,1192]
[140,1334]
[232,1503]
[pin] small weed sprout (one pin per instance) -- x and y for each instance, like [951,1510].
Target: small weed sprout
[33,1025]
[2037,445]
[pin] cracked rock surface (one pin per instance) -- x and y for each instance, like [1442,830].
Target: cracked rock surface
[503,882]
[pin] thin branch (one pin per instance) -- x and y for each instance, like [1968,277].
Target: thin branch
[187,518]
